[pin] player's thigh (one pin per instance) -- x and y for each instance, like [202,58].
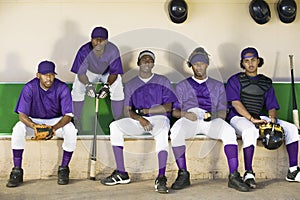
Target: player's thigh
[218,129]
[185,128]
[127,126]
[241,124]
[291,131]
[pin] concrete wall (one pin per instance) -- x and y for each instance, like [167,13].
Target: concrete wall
[36,30]
[205,159]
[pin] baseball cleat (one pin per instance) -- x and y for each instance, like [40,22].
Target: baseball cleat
[182,180]
[293,176]
[16,177]
[161,184]
[235,181]
[63,175]
[249,179]
[116,178]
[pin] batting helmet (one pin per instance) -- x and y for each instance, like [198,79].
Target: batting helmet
[272,135]
[178,11]
[259,11]
[287,10]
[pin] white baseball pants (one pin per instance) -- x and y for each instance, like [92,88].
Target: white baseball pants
[131,127]
[68,133]
[250,133]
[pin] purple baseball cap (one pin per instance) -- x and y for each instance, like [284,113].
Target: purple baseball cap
[100,32]
[251,50]
[46,67]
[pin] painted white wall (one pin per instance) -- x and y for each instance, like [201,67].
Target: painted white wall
[35,30]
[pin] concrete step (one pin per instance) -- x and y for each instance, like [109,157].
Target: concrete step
[205,159]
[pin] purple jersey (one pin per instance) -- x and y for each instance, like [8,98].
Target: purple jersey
[209,95]
[157,91]
[38,103]
[233,89]
[109,62]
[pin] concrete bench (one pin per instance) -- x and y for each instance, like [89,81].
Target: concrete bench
[42,158]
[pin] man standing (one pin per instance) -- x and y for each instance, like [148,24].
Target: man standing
[201,109]
[148,103]
[43,100]
[98,60]
[249,94]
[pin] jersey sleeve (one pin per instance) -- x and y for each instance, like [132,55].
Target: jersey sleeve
[233,89]
[271,100]
[168,93]
[80,59]
[25,101]
[65,100]
[115,65]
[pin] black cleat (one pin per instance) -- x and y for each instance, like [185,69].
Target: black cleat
[293,176]
[116,178]
[235,181]
[182,180]
[16,177]
[161,184]
[249,179]
[63,175]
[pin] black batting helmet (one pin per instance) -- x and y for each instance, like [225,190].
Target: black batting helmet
[272,135]
[178,11]
[259,11]
[287,10]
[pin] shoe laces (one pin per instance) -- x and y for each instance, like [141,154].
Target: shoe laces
[161,180]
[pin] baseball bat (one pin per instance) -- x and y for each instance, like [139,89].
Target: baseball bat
[295,110]
[94,145]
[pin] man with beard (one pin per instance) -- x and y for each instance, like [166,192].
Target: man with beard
[43,100]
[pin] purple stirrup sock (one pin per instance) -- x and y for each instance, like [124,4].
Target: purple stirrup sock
[231,152]
[292,150]
[66,158]
[77,108]
[162,162]
[117,108]
[248,157]
[179,153]
[119,158]
[17,157]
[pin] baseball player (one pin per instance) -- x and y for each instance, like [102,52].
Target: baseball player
[97,60]
[201,109]
[148,103]
[43,100]
[248,94]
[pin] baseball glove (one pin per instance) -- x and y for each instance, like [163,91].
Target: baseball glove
[272,135]
[43,132]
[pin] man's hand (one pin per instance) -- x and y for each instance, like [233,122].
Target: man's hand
[145,124]
[104,91]
[191,116]
[90,90]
